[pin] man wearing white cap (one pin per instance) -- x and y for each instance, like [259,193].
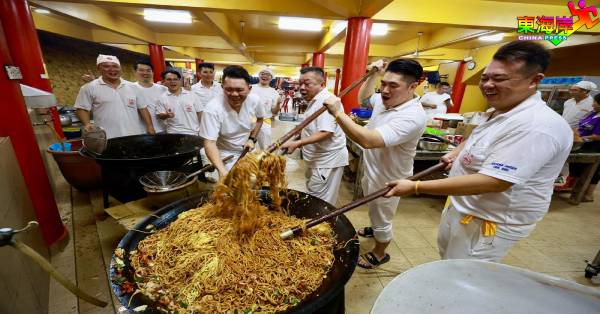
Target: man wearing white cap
[581,103]
[574,110]
[113,101]
[270,100]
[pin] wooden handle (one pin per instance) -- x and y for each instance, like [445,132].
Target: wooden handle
[357,82]
[317,113]
[296,129]
[43,263]
[244,152]
[313,222]
[209,167]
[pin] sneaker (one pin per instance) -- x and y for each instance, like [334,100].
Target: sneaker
[559,181]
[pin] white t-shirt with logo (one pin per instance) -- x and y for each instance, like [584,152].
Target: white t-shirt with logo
[268,97]
[574,111]
[435,99]
[526,146]
[150,96]
[227,127]
[331,152]
[206,94]
[401,128]
[115,110]
[185,108]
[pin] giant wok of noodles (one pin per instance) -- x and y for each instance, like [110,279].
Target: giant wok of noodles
[224,254]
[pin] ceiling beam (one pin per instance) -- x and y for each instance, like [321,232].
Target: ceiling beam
[215,57]
[226,30]
[470,13]
[185,40]
[58,26]
[104,36]
[268,7]
[372,7]
[99,17]
[438,39]
[345,8]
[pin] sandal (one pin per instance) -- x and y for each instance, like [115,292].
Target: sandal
[372,260]
[366,232]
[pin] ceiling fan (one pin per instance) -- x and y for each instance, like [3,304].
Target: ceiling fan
[243,45]
[417,54]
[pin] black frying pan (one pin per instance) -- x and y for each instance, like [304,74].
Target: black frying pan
[300,204]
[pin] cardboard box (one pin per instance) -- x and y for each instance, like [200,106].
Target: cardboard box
[25,286]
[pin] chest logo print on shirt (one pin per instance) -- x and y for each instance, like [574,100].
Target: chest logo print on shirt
[467,159]
[188,108]
[131,102]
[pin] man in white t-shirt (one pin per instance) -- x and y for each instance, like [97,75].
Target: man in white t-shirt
[149,91]
[323,142]
[574,110]
[207,88]
[179,108]
[270,100]
[502,175]
[389,141]
[115,103]
[437,102]
[227,124]
[580,105]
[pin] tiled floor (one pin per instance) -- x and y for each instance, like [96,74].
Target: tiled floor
[561,242]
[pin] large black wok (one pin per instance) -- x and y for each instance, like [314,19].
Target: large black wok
[328,298]
[128,158]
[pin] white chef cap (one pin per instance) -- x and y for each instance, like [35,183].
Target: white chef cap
[268,70]
[106,58]
[587,85]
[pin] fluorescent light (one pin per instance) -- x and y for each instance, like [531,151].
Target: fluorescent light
[379,29]
[41,11]
[168,16]
[300,24]
[495,37]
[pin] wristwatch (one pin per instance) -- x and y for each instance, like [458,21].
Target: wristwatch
[253,139]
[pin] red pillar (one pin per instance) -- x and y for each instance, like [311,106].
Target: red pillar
[356,53]
[318,59]
[458,88]
[157,60]
[198,62]
[15,123]
[337,82]
[25,50]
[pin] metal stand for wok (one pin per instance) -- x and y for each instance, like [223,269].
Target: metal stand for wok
[130,174]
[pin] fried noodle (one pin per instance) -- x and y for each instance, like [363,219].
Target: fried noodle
[227,256]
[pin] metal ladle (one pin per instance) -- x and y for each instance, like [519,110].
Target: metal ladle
[94,139]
